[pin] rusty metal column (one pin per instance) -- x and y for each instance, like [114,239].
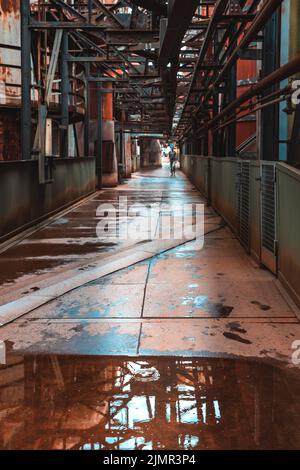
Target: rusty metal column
[215,134]
[90,7]
[87,111]
[64,88]
[26,81]
[231,96]
[194,138]
[205,144]
[99,135]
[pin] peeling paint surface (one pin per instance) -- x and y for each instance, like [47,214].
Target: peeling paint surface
[10,59]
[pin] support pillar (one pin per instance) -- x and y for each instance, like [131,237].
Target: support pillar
[87,151]
[269,115]
[99,165]
[26,81]
[231,96]
[109,155]
[64,132]
[205,144]
[215,135]
[127,154]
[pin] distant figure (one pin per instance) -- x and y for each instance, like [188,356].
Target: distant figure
[173,160]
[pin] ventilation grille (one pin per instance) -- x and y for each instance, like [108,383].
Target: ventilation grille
[243,203]
[268,201]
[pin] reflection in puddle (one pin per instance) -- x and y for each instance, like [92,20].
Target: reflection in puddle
[75,402]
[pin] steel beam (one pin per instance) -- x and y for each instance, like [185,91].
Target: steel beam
[180,15]
[261,17]
[64,98]
[231,96]
[108,13]
[69,8]
[130,36]
[41,130]
[95,59]
[152,5]
[38,25]
[53,64]
[26,81]
[87,112]
[283,72]
[99,138]
[269,115]
[217,13]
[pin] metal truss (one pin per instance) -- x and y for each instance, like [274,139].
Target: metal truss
[231,31]
[172,67]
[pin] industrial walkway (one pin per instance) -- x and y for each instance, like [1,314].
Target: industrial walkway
[219,320]
[182,301]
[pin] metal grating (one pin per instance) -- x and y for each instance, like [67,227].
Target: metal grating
[243,203]
[268,207]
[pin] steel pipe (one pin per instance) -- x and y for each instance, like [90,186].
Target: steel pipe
[286,71]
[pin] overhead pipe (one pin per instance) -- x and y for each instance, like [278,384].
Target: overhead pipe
[284,72]
[219,10]
[261,18]
[252,111]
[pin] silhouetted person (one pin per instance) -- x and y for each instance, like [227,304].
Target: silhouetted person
[173,160]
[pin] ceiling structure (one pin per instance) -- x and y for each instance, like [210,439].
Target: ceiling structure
[168,61]
[139,44]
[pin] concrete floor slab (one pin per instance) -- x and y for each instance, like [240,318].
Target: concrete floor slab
[214,298]
[156,298]
[75,337]
[95,301]
[135,274]
[165,269]
[220,338]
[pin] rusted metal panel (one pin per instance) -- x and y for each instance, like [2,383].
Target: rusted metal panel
[10,59]
[9,134]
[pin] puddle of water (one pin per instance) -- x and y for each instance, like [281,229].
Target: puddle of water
[87,402]
[217,310]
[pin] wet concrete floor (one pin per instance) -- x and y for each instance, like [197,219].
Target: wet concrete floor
[88,402]
[196,346]
[71,240]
